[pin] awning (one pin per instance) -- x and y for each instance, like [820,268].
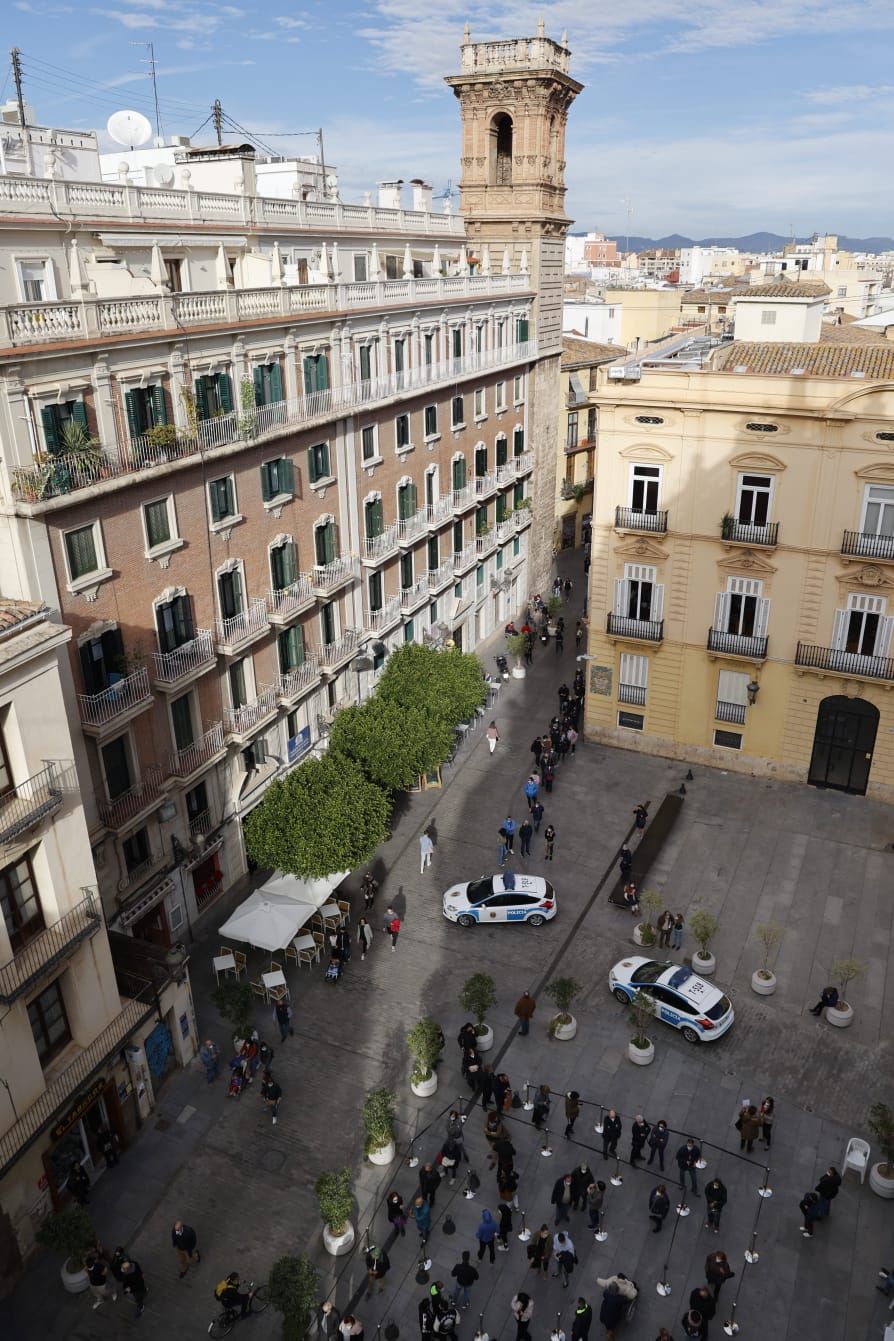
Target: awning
[274,914]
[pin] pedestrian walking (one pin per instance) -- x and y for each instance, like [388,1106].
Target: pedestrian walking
[618,1294]
[583,1320]
[631,898]
[887,1285]
[688,1156]
[677,933]
[509,826]
[79,1183]
[566,587]
[429,1182]
[572,738]
[504,1210]
[811,1209]
[566,1257]
[702,1301]
[282,1013]
[209,1056]
[572,1110]
[487,1086]
[540,1250]
[717,1270]
[659,1205]
[536,815]
[549,773]
[542,1105]
[507,1185]
[377,1268]
[715,1199]
[271,1095]
[134,1284]
[98,1278]
[452,1152]
[625,862]
[350,1328]
[749,1126]
[559,644]
[536,749]
[639,1135]
[369,888]
[532,786]
[611,1134]
[549,842]
[581,1178]
[485,1234]
[502,1091]
[426,848]
[523,1311]
[503,845]
[578,635]
[641,815]
[827,1190]
[421,1213]
[392,927]
[465,1276]
[525,834]
[693,1323]
[828,1001]
[493,736]
[658,1138]
[767,1112]
[185,1244]
[364,936]
[665,928]
[562,1198]
[524,1012]
[397,1215]
[595,1198]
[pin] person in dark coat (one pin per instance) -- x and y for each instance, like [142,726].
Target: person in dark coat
[701,1301]
[811,1209]
[658,1139]
[429,1182]
[614,1306]
[572,1110]
[827,1190]
[487,1085]
[581,1178]
[659,1205]
[106,1141]
[134,1284]
[828,1001]
[693,1323]
[583,1319]
[541,1107]
[688,1156]
[186,1246]
[397,1215]
[377,1268]
[639,1135]
[562,1197]
[749,1125]
[717,1270]
[715,1197]
[494,1131]
[79,1183]
[611,1134]
[501,1089]
[504,1210]
[452,1152]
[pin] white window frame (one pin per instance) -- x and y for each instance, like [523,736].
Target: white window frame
[633,671]
[101,573]
[518,389]
[884,504]
[499,397]
[431,437]
[642,573]
[376,454]
[768,316]
[168,546]
[51,294]
[771,495]
[457,425]
[859,602]
[364,257]
[225,523]
[656,479]
[230,566]
[745,587]
[408,445]
[480,404]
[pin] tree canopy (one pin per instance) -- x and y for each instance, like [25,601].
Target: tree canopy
[324,816]
[446,684]
[393,743]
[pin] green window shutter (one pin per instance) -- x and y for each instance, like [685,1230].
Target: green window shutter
[518,494]
[521,331]
[79,414]
[158,523]
[276,393]
[266,483]
[134,417]
[322,372]
[289,563]
[375,519]
[182,614]
[502,451]
[159,404]
[50,418]
[480,460]
[406,570]
[220,493]
[181,720]
[365,363]
[518,441]
[291,649]
[375,592]
[201,390]
[286,476]
[457,536]
[330,542]
[258,375]
[434,555]
[313,471]
[459,473]
[225,392]
[81,548]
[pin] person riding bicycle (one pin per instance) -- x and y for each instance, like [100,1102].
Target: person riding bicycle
[229,1294]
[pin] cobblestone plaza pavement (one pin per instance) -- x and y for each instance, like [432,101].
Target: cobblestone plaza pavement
[749,850]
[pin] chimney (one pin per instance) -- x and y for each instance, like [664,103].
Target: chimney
[389,195]
[421,195]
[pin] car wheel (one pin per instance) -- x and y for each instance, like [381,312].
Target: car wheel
[466,921]
[537,920]
[690,1035]
[621,995]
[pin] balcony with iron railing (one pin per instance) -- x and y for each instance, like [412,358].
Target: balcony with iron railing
[143,871]
[112,707]
[633,519]
[852,665]
[522,515]
[335,654]
[634,694]
[729,712]
[201,754]
[90,1060]
[737,645]
[327,578]
[177,669]
[505,530]
[485,485]
[201,825]
[233,634]
[377,548]
[486,542]
[742,533]
[409,529]
[868,545]
[242,722]
[379,621]
[140,799]
[524,463]
[285,603]
[49,947]
[411,598]
[463,499]
[573,445]
[464,559]
[639,630]
[440,577]
[29,803]
[505,474]
[438,512]
[294,684]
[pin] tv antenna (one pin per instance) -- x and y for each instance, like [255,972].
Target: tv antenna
[129,128]
[449,191]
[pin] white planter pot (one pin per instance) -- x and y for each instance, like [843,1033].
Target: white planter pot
[703,966]
[881,1185]
[486,1040]
[423,1088]
[563,1032]
[338,1244]
[74,1282]
[518,672]
[638,938]
[384,1155]
[841,1016]
[763,986]
[641,1056]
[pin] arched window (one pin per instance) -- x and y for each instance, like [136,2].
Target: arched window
[501,149]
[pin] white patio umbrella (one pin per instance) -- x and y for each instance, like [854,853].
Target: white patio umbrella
[221,268]
[316,892]
[523,263]
[77,275]
[157,272]
[268,921]
[485,259]
[436,261]
[506,261]
[375,265]
[336,265]
[276,270]
[408,262]
[324,264]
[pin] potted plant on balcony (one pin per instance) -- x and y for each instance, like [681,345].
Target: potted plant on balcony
[703,926]
[83,449]
[161,441]
[563,991]
[479,993]
[71,1233]
[333,1189]
[424,1042]
[515,646]
[842,972]
[763,980]
[881,1175]
[248,414]
[727,522]
[641,1049]
[293,1289]
[644,932]
[378,1123]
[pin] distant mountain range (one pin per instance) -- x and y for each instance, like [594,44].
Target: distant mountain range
[759,242]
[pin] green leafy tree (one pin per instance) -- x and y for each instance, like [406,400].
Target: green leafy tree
[393,743]
[324,816]
[69,1232]
[293,1289]
[235,1002]
[445,684]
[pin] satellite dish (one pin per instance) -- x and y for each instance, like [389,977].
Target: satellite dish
[130,128]
[163,174]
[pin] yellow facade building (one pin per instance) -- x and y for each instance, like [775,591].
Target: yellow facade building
[575,459]
[742,569]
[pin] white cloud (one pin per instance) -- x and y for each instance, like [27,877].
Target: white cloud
[843,93]
[285,21]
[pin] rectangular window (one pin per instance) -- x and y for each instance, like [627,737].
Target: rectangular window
[175,624]
[328,623]
[431,421]
[499,334]
[878,511]
[238,684]
[457,412]
[456,341]
[399,356]
[116,767]
[571,431]
[479,404]
[80,549]
[768,317]
[361,268]
[753,503]
[222,498]
[230,593]
[499,559]
[863,629]
[60,421]
[290,649]
[631,721]
[19,899]
[500,396]
[318,462]
[479,576]
[518,389]
[393,266]
[373,517]
[35,278]
[157,519]
[516,547]
[369,448]
[409,631]
[325,547]
[730,740]
[136,850]
[429,350]
[518,494]
[173,274]
[181,722]
[518,442]
[402,431]
[49,1022]
[434,553]
[502,451]
[196,802]
[283,565]
[645,486]
[214,396]
[458,537]
[406,570]
[637,595]
[633,678]
[146,408]
[375,592]
[365,354]
[459,472]
[742,609]
[277,478]
[316,373]
[406,501]
[521,331]
[481,460]
[268,384]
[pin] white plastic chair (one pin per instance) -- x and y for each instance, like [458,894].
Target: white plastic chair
[856,1156]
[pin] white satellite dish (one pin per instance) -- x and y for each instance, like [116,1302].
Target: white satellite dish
[163,174]
[130,128]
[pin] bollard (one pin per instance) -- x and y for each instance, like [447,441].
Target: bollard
[701,1162]
[766,1190]
[751,1254]
[682,1208]
[412,1157]
[448,1227]
[525,1234]
[527,1105]
[731,1327]
[598,1126]
[601,1233]
[546,1151]
[616,1180]
[663,1287]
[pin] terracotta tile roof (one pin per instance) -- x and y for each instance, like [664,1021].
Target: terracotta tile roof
[578,353]
[17,612]
[828,358]
[714,296]
[849,335]
[790,288]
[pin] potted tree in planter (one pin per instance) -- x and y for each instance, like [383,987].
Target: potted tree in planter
[763,980]
[641,1049]
[515,646]
[644,932]
[881,1175]
[293,1289]
[563,991]
[333,1189]
[72,1234]
[554,608]
[234,1000]
[843,971]
[424,1043]
[703,926]
[727,522]
[478,995]
[378,1122]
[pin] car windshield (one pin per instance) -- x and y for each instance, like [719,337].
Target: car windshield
[680,978]
[479,890]
[649,972]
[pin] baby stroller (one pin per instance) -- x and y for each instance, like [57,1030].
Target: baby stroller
[333,971]
[237,1078]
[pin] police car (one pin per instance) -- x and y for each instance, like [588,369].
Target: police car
[697,1008]
[533,900]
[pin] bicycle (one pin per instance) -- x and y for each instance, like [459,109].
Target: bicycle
[226,1321]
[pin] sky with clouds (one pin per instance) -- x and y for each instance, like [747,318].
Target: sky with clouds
[708,118]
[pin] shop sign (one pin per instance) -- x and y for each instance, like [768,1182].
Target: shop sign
[78,1109]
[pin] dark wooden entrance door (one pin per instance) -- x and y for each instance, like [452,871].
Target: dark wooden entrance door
[843,744]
